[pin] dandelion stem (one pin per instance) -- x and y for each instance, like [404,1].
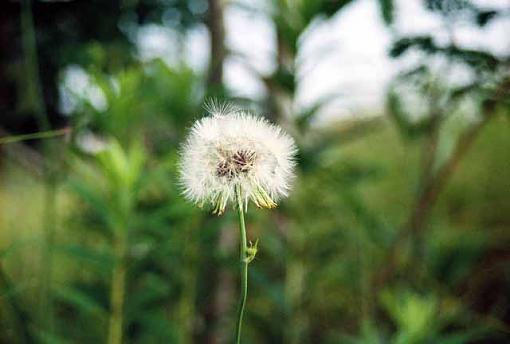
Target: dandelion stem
[244,264]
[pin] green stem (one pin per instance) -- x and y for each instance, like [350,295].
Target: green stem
[33,136]
[33,94]
[49,226]
[117,291]
[244,265]
[32,88]
[18,317]
[186,308]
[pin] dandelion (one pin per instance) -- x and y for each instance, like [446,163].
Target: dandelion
[231,158]
[232,150]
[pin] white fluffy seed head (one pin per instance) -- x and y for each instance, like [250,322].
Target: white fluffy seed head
[230,153]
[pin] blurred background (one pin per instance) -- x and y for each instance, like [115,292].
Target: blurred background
[397,231]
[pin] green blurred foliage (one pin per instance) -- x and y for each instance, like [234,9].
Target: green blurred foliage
[317,275]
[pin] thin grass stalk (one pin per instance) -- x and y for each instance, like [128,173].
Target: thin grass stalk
[18,316]
[186,310]
[118,288]
[34,94]
[34,136]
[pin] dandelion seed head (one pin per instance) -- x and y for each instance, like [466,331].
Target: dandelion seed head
[231,149]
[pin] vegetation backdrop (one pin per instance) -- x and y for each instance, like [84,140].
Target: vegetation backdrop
[397,231]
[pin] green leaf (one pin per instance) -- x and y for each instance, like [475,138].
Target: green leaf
[484,17]
[102,260]
[387,11]
[81,301]
[46,337]
[401,46]
[461,337]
